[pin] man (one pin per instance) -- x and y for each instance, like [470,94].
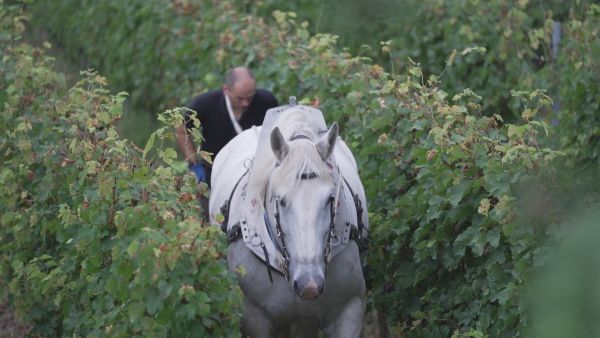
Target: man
[223,114]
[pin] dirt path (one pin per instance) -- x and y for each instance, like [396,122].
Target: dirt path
[10,325]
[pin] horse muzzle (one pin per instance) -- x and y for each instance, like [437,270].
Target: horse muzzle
[309,286]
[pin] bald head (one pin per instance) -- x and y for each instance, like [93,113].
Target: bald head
[240,87]
[238,74]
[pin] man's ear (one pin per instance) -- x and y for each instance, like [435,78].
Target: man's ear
[326,143]
[278,144]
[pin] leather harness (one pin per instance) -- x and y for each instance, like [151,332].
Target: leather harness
[235,231]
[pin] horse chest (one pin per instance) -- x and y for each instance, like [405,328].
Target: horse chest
[344,281]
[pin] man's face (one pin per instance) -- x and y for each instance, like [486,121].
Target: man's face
[241,94]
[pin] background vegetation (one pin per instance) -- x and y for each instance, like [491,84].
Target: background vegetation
[456,145]
[96,238]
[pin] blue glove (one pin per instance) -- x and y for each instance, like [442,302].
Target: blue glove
[198,170]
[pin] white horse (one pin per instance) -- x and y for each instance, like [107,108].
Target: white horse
[293,206]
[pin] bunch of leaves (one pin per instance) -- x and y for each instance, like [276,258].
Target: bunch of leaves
[516,35]
[573,81]
[451,213]
[163,52]
[360,25]
[95,239]
[158,51]
[521,55]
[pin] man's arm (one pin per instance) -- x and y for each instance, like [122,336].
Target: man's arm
[186,145]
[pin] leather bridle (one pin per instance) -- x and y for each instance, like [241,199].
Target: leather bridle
[279,238]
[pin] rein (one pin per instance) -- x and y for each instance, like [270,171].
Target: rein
[331,233]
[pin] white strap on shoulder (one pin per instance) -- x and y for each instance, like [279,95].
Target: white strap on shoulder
[234,122]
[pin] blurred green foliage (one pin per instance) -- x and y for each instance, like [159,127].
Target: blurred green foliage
[565,297]
[360,24]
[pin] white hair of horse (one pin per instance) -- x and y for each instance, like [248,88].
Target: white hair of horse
[293,202]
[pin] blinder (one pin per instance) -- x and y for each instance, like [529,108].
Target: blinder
[308,176]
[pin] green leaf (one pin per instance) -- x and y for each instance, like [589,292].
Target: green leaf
[457,192]
[542,125]
[149,145]
[136,311]
[133,248]
[516,132]
[169,155]
[415,71]
[153,301]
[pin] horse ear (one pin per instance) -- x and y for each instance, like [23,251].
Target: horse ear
[327,142]
[278,144]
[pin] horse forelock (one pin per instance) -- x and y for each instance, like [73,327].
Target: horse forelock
[303,156]
[302,160]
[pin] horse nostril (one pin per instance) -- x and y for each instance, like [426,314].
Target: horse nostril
[308,287]
[320,284]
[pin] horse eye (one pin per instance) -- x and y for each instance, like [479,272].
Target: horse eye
[283,202]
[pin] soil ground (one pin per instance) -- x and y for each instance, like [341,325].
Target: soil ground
[10,325]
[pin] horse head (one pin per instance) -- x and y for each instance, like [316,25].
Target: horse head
[299,201]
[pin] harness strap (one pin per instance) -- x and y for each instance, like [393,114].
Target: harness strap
[270,232]
[281,236]
[262,245]
[357,233]
[362,242]
[359,208]
[234,121]
[225,207]
[234,233]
